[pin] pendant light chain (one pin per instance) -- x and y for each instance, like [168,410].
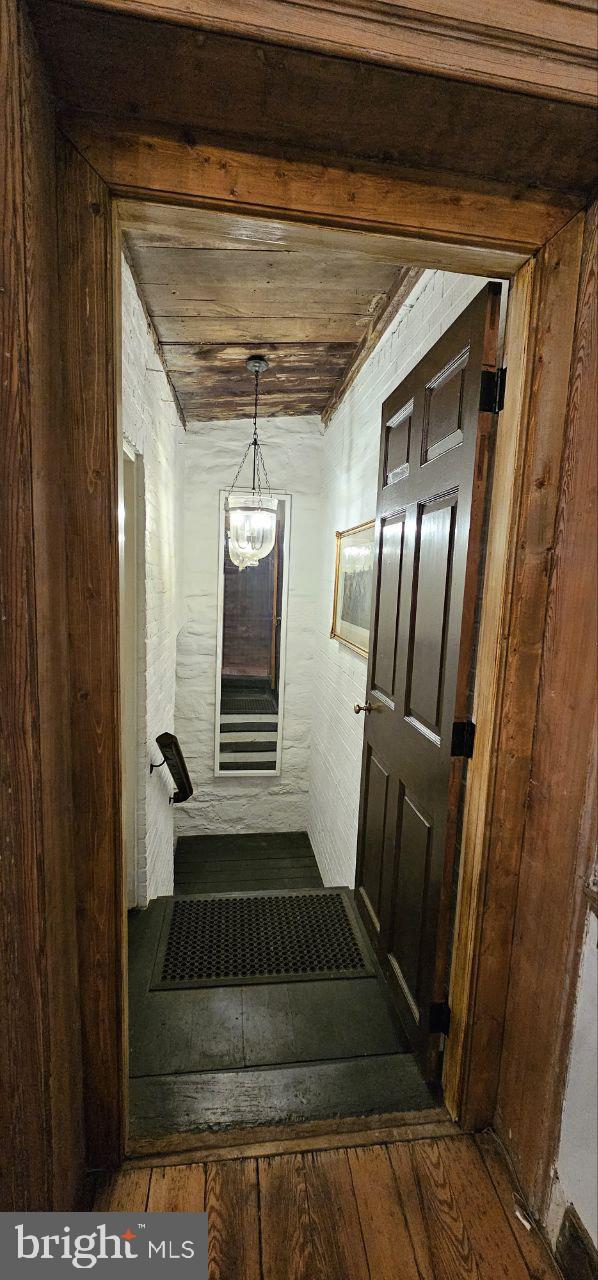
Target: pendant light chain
[259,466]
[239,469]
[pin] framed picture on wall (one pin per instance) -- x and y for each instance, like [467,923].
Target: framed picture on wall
[353,586]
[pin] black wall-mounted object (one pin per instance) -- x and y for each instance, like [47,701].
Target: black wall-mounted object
[174,758]
[440,1017]
[492,390]
[463,738]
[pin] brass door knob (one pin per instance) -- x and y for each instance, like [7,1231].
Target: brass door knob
[367,707]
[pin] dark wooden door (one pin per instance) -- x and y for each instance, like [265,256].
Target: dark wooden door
[432,490]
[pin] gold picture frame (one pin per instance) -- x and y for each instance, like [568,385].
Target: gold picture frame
[353,586]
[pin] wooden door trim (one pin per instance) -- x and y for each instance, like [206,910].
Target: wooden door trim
[559,840]
[531,433]
[88,296]
[507,481]
[121,896]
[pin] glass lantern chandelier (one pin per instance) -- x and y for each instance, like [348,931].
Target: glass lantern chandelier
[252,520]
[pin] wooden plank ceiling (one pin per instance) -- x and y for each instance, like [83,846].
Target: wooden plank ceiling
[218,287]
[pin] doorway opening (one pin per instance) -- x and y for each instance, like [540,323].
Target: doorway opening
[292,960]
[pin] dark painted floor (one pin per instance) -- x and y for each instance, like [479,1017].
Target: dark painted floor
[227,864]
[249,1055]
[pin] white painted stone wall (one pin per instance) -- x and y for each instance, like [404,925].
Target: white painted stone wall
[576,1180]
[293,454]
[349,487]
[151,426]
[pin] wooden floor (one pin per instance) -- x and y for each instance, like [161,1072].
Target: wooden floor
[429,1209]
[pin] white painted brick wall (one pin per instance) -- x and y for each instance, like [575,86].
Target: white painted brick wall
[293,452]
[151,426]
[349,488]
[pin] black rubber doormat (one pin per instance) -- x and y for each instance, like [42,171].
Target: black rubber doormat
[215,940]
[258,703]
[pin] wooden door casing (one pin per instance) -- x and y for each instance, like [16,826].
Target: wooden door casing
[89,306]
[433,471]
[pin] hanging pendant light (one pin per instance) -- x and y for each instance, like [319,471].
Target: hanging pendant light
[252,519]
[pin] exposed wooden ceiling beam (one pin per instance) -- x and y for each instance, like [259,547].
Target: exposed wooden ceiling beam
[444,222]
[540,46]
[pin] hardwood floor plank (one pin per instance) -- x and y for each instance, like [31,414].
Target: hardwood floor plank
[469,1233]
[245,884]
[221,879]
[235,882]
[229,870]
[233,1221]
[286,1236]
[262,857]
[387,1241]
[335,1223]
[272,845]
[534,1250]
[248,861]
[429,1209]
[178,1189]
[124,1192]
[400,1157]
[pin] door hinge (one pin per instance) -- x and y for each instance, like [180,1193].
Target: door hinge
[492,390]
[440,1017]
[463,738]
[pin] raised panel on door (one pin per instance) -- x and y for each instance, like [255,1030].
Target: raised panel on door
[413,852]
[397,444]
[443,408]
[431,596]
[390,562]
[373,826]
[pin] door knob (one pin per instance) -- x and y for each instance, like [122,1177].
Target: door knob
[367,707]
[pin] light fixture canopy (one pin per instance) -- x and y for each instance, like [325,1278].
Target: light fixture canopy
[252,520]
